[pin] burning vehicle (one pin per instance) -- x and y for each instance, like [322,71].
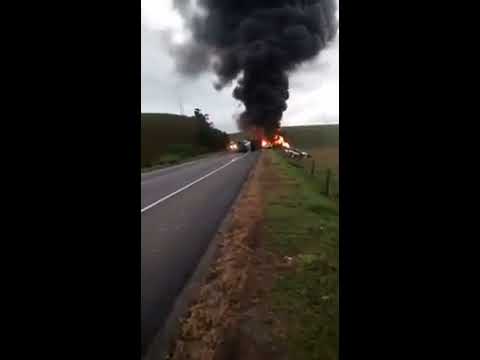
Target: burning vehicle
[277,142]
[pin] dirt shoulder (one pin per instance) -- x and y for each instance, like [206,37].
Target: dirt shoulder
[271,293]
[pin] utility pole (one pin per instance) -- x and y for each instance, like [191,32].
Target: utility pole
[181,105]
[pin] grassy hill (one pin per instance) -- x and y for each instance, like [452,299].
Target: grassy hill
[321,141]
[313,136]
[169,138]
[161,131]
[307,137]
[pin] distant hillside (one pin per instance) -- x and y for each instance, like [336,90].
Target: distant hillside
[168,137]
[310,136]
[159,131]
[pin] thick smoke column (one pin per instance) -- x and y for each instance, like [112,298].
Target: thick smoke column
[259,41]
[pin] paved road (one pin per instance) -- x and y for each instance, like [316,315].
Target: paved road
[181,208]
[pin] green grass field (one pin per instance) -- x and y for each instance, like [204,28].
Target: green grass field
[302,223]
[161,136]
[323,167]
[314,136]
[321,142]
[169,139]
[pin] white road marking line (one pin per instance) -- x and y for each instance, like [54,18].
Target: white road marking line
[191,184]
[168,168]
[149,175]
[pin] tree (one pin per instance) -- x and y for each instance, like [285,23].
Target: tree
[209,136]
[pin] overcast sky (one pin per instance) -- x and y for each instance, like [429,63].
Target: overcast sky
[314,86]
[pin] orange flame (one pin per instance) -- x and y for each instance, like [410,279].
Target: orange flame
[278,140]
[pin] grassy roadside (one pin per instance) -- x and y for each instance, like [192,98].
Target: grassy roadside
[324,166]
[175,159]
[301,225]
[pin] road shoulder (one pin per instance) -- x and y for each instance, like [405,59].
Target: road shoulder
[271,292]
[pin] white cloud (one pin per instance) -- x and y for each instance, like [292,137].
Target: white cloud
[314,90]
[159,14]
[314,87]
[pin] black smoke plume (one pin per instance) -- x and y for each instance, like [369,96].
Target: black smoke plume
[257,42]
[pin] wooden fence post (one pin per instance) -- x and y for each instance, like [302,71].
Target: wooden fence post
[327,185]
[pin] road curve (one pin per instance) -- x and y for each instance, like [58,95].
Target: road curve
[181,209]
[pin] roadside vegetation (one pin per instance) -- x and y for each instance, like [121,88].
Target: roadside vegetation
[301,226]
[170,139]
[321,142]
[323,168]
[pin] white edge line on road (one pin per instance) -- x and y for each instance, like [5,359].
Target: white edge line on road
[191,184]
[167,168]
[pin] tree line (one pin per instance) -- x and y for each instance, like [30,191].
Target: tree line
[210,137]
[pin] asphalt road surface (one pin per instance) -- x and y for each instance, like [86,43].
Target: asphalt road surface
[182,207]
